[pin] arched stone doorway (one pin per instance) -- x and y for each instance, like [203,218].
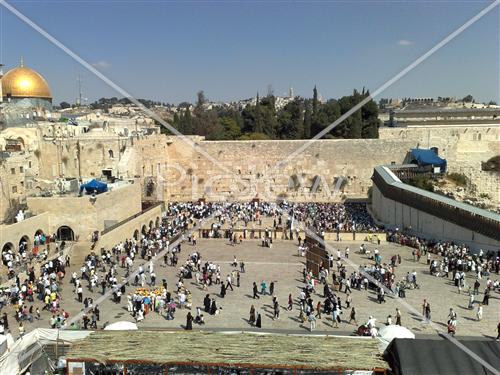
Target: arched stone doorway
[8,246]
[65,233]
[24,243]
[5,248]
[144,230]
[136,234]
[151,224]
[157,222]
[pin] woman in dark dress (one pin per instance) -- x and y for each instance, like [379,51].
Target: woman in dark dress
[213,307]
[258,324]
[189,322]
[252,315]
[222,290]
[206,303]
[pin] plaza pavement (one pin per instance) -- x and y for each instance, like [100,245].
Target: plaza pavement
[282,265]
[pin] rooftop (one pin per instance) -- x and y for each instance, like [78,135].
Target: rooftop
[236,349]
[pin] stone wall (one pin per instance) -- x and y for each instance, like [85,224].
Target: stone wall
[464,147]
[82,215]
[127,230]
[250,168]
[397,215]
[175,171]
[13,233]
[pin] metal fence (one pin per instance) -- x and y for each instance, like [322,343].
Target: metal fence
[433,206]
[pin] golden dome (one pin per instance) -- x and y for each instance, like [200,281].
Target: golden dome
[22,82]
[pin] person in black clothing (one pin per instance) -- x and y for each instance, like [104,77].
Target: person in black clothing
[206,303]
[5,321]
[486,297]
[213,307]
[97,312]
[255,291]
[85,321]
[222,290]
[189,322]
[258,324]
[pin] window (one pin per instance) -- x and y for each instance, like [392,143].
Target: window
[110,152]
[14,189]
[29,164]
[21,169]
[13,171]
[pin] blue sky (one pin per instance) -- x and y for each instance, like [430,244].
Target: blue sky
[168,50]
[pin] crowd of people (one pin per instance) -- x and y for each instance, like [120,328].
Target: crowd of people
[127,271]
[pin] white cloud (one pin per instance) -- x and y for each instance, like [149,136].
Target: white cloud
[101,65]
[404,42]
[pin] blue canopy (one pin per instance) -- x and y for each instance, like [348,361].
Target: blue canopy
[428,157]
[94,186]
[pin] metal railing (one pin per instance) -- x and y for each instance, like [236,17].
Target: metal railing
[114,226]
[425,202]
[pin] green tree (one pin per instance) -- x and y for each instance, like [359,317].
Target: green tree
[254,137]
[186,121]
[291,121]
[268,116]
[230,128]
[371,123]
[307,120]
[468,99]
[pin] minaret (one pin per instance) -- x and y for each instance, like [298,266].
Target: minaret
[79,100]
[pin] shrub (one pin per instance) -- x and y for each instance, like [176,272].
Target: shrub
[458,178]
[422,182]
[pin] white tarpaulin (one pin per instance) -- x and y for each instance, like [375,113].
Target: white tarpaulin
[30,343]
[387,333]
[121,326]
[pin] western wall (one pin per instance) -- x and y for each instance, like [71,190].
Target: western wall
[168,169]
[254,163]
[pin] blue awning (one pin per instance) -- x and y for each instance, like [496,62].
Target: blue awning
[94,186]
[428,157]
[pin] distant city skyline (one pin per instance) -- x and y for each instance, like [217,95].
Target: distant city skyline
[167,51]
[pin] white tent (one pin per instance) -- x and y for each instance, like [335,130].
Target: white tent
[387,333]
[121,326]
[24,351]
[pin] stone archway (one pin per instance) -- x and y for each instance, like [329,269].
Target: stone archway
[151,224]
[136,234]
[157,222]
[144,230]
[65,233]
[25,243]
[8,246]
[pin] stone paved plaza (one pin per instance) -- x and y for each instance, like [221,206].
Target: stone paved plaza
[282,265]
